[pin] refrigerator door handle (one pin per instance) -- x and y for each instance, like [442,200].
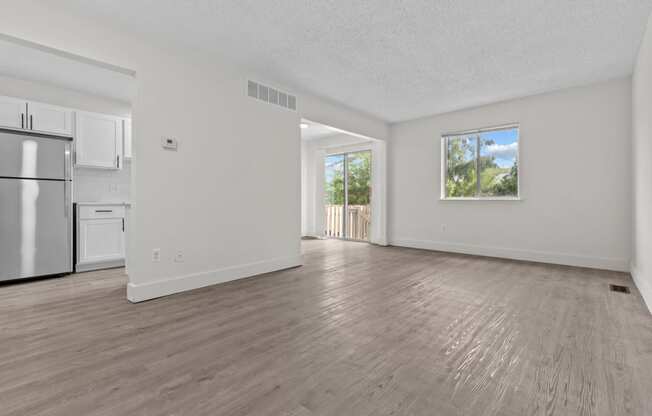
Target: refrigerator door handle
[66,199]
[66,161]
[67,186]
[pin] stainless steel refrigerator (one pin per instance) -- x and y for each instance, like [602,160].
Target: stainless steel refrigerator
[35,205]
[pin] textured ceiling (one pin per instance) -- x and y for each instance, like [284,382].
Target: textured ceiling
[395,59]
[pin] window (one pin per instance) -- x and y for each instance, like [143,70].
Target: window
[481,164]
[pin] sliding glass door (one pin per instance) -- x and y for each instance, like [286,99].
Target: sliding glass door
[348,195]
[334,195]
[358,195]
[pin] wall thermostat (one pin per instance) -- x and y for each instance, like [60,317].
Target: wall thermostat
[169,143]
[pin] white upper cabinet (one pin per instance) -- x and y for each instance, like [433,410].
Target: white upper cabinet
[101,141]
[22,114]
[127,138]
[98,141]
[13,112]
[50,118]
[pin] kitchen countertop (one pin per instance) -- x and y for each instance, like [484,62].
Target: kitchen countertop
[125,203]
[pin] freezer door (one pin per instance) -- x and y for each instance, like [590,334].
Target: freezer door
[33,156]
[35,228]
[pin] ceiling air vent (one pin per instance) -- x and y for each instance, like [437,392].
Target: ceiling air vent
[271,95]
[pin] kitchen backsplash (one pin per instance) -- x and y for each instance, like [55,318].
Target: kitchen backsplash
[98,185]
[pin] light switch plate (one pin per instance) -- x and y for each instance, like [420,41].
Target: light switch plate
[178,258]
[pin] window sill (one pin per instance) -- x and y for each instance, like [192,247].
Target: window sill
[482,199]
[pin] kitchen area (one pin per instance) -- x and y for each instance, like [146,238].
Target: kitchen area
[65,164]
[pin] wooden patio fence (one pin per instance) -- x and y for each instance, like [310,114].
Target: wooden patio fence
[358,221]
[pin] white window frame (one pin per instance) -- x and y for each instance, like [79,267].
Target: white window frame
[444,164]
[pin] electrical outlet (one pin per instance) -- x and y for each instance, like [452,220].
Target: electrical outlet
[113,187]
[178,258]
[156,255]
[443,228]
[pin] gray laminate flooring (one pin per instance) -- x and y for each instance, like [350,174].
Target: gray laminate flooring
[358,330]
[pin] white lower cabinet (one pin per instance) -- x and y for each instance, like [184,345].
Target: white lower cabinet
[100,236]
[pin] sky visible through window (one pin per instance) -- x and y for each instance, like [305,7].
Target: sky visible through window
[334,167]
[505,148]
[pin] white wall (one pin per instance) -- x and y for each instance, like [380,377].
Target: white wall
[340,118]
[229,197]
[642,169]
[312,189]
[221,198]
[575,181]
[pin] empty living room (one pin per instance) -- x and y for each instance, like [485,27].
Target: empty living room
[326,208]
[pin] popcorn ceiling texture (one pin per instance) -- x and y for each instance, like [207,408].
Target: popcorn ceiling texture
[399,60]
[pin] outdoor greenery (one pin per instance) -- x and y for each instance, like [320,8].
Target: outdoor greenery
[461,175]
[508,184]
[359,173]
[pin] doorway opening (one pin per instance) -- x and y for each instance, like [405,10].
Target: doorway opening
[347,196]
[342,185]
[80,119]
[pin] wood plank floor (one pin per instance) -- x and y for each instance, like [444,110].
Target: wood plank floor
[359,330]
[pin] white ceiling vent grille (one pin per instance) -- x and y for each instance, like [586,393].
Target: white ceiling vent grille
[271,95]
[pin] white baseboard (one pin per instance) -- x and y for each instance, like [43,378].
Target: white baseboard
[644,287]
[164,287]
[621,265]
[381,241]
[86,267]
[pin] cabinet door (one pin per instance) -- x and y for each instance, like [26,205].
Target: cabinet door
[98,141]
[50,118]
[101,240]
[127,138]
[13,112]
